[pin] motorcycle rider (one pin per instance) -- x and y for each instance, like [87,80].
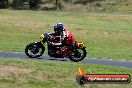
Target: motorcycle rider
[63,36]
[67,37]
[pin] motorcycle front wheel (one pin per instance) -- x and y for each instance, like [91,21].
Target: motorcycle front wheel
[34,50]
[79,55]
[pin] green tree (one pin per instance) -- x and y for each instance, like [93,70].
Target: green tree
[34,3]
[18,4]
[3,3]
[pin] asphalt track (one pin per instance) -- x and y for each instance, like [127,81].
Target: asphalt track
[109,62]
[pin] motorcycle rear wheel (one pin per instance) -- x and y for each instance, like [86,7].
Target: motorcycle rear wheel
[34,50]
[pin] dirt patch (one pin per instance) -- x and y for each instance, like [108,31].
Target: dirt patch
[6,70]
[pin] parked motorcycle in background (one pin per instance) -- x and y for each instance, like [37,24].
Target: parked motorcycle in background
[56,49]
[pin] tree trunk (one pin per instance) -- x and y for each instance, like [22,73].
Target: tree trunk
[57,4]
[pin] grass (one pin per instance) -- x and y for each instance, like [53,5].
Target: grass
[19,73]
[105,35]
[95,6]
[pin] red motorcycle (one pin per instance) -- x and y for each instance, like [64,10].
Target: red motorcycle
[76,52]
